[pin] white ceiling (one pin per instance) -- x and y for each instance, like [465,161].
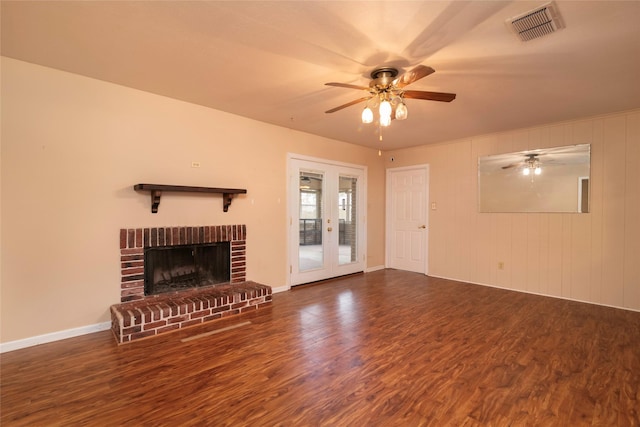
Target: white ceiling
[269,60]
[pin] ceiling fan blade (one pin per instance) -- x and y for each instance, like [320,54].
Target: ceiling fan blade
[413,75]
[430,96]
[348,104]
[512,165]
[348,86]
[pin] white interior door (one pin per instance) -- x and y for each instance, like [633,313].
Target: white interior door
[326,220]
[407,215]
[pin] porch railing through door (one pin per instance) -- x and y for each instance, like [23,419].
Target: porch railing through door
[311,232]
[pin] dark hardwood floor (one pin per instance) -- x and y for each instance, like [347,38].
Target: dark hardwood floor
[380,349]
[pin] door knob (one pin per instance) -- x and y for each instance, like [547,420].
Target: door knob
[422,226]
[329,229]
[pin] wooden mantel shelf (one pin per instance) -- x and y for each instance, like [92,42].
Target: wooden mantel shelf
[157,189]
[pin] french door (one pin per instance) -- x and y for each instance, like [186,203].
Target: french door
[327,213]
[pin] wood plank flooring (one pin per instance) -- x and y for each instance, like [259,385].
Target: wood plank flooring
[387,348]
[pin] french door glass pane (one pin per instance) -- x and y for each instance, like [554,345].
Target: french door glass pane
[347,214]
[310,249]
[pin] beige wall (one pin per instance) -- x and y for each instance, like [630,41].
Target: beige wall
[591,257]
[72,149]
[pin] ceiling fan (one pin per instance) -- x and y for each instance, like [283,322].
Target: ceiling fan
[530,165]
[529,159]
[386,90]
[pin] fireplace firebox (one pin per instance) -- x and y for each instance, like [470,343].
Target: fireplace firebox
[176,268]
[196,242]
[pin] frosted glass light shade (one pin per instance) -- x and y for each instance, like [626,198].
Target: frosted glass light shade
[401,112]
[385,120]
[525,171]
[367,115]
[385,108]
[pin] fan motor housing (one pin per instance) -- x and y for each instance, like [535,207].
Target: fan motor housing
[383,77]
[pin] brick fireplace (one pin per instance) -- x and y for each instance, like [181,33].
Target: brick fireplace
[139,315]
[133,242]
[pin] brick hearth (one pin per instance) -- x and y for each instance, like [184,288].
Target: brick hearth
[168,312]
[139,316]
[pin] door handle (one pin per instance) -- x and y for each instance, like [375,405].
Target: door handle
[422,226]
[329,229]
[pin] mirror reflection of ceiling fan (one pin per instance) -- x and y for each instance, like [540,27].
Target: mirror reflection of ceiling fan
[530,165]
[530,159]
[386,91]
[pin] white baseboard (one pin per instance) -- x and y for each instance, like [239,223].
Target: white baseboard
[280,289]
[54,336]
[376,268]
[536,293]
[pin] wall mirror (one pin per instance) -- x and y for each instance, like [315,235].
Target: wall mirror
[545,180]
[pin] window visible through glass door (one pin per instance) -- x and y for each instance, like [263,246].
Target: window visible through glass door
[348,219]
[310,251]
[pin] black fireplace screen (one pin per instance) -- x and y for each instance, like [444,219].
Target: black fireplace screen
[176,268]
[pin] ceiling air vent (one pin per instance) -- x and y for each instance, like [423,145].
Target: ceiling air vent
[536,23]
